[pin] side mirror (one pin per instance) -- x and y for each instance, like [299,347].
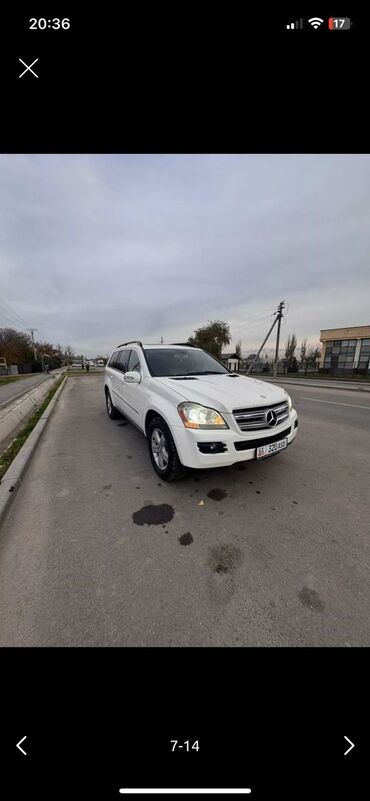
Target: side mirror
[132,377]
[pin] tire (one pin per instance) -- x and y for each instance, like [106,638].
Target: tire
[112,412]
[165,460]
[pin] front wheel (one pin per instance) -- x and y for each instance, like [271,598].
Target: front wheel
[163,452]
[112,412]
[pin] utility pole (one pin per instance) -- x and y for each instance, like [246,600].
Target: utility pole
[279,314]
[278,318]
[263,343]
[32,331]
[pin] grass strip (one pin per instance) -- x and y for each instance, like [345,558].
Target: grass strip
[10,453]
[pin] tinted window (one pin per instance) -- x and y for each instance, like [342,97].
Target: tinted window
[134,362]
[182,361]
[122,361]
[113,359]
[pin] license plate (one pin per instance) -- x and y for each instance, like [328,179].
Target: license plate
[273,447]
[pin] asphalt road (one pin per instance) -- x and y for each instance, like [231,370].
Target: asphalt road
[282,559]
[9,392]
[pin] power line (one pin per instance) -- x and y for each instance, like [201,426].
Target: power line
[246,327]
[11,311]
[8,313]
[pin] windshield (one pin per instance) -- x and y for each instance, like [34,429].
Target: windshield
[173,362]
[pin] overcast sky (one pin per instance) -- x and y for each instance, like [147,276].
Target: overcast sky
[99,249]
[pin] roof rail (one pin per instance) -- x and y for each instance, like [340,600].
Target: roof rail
[131,342]
[184,344]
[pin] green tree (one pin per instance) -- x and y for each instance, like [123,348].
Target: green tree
[290,359]
[238,350]
[303,352]
[212,337]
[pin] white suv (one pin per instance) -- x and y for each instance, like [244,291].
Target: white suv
[194,412]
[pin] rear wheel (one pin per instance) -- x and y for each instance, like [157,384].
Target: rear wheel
[112,412]
[163,452]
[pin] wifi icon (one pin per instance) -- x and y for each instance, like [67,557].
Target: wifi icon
[316,22]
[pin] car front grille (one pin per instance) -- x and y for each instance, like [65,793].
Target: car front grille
[253,419]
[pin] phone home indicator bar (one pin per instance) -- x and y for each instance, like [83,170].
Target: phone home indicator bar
[185,791]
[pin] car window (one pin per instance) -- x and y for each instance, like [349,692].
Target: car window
[123,357]
[182,361]
[134,362]
[113,359]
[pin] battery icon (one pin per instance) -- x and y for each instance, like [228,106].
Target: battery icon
[339,23]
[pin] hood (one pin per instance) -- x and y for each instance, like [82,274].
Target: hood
[224,393]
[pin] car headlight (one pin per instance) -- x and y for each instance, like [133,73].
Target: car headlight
[194,415]
[290,404]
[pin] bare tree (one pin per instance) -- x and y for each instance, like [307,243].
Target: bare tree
[313,354]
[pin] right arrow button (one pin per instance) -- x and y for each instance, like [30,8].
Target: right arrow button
[351,745]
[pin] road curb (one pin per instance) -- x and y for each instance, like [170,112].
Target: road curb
[11,400]
[13,476]
[20,410]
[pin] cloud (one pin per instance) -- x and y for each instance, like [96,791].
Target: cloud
[98,249]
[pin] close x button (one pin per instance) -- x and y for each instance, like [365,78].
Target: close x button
[28,68]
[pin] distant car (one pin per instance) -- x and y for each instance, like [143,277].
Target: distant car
[194,412]
[76,365]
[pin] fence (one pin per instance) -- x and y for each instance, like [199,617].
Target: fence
[334,372]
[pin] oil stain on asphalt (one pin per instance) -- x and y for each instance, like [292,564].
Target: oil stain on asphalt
[154,515]
[217,494]
[186,539]
[311,599]
[223,559]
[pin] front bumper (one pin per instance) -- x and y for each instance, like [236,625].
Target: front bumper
[187,442]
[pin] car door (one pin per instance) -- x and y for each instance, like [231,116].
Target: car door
[135,393]
[120,368]
[113,375]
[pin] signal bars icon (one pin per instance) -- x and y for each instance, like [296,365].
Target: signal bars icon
[298,24]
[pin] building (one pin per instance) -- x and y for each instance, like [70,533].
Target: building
[345,348]
[259,365]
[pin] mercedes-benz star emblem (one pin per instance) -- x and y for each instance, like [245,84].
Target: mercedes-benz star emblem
[271,418]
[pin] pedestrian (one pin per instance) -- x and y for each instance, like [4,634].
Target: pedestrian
[87,366]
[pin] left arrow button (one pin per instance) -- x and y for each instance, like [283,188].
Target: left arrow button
[20,744]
